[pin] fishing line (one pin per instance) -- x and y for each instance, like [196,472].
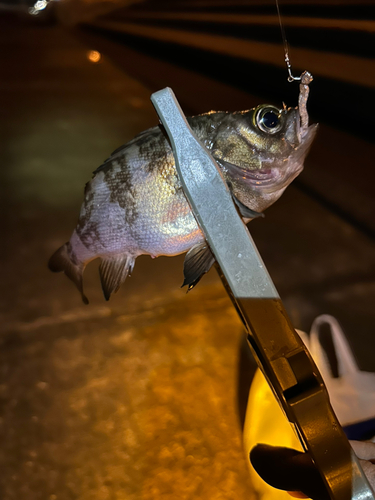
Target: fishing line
[291,78]
[305,79]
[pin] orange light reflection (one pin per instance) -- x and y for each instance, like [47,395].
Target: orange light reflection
[94,56]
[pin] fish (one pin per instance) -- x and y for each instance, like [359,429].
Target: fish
[134,204]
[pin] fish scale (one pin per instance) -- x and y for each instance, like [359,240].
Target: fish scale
[135,205]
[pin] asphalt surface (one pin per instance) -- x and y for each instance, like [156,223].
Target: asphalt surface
[141,397]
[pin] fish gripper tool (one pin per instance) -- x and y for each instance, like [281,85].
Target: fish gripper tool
[277,348]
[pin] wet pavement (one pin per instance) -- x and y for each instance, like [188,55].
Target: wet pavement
[137,398]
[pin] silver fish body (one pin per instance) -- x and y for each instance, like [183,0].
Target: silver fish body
[135,205]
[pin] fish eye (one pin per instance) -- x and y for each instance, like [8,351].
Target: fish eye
[268,119]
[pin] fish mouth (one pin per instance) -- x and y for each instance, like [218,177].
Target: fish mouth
[263,177]
[275,173]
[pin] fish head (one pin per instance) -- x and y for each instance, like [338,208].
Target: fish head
[261,151]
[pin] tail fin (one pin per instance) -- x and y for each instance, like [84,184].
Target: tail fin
[62,262]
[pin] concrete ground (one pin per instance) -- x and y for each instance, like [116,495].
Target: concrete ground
[140,397]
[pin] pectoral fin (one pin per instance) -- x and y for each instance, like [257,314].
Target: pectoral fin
[114,271]
[246,212]
[198,261]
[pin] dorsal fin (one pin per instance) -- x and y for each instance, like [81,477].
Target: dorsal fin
[198,261]
[114,271]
